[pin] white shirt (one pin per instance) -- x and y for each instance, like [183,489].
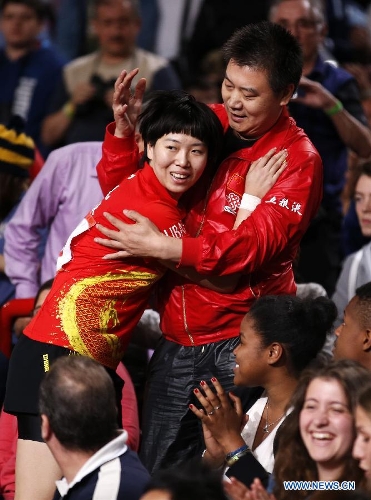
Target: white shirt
[264,452]
[170,24]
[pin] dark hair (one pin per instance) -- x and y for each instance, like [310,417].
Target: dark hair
[292,461]
[300,325]
[364,399]
[78,397]
[189,480]
[47,285]
[316,6]
[268,47]
[11,189]
[134,4]
[364,169]
[16,157]
[363,305]
[36,5]
[178,112]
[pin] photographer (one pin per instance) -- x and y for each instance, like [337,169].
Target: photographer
[81,106]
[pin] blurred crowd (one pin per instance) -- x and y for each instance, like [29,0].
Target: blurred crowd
[292,399]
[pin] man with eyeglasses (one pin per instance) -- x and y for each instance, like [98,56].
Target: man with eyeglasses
[329,109]
[81,106]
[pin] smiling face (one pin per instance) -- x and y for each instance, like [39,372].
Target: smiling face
[252,106]
[326,426]
[250,369]
[362,444]
[178,161]
[362,198]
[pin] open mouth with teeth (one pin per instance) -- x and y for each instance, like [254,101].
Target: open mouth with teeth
[322,439]
[179,177]
[322,436]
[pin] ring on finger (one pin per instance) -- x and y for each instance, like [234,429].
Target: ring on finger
[217,407]
[210,412]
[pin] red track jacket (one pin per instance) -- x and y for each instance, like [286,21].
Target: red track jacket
[262,249]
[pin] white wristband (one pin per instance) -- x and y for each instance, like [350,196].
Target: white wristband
[249,202]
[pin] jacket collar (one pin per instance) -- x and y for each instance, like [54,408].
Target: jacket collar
[279,136]
[111,450]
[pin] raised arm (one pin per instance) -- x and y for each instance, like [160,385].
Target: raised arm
[56,124]
[120,155]
[260,178]
[283,216]
[127,105]
[353,133]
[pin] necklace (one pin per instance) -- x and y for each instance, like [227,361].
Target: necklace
[268,425]
[253,139]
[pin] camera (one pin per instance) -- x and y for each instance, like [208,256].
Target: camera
[101,86]
[98,100]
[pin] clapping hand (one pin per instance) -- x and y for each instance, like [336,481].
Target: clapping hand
[238,491]
[222,415]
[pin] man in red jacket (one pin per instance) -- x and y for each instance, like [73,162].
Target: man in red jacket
[200,327]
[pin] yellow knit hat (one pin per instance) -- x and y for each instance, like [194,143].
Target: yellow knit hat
[17,152]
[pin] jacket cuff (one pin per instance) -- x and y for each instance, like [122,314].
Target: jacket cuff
[118,145]
[191,251]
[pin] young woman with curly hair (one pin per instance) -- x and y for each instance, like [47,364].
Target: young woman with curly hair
[315,441]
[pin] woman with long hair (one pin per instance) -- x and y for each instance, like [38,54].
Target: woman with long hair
[356,270]
[362,444]
[315,441]
[279,337]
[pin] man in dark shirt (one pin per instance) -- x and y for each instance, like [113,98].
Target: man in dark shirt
[29,73]
[82,105]
[329,109]
[79,425]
